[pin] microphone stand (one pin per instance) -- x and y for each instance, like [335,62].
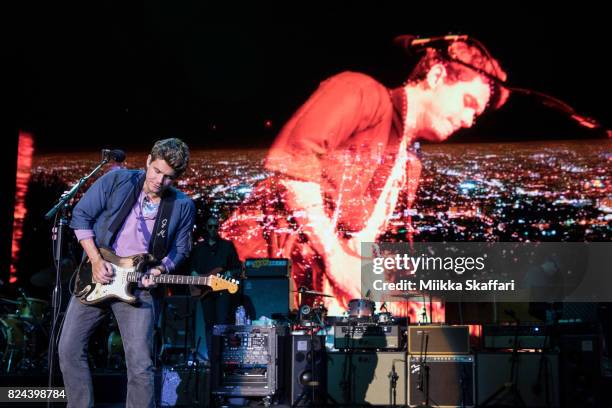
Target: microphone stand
[393,377]
[423,384]
[424,311]
[67,196]
[509,390]
[57,236]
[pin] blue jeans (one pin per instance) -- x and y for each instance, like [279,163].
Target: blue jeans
[136,323]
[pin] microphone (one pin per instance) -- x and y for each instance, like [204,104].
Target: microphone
[585,121]
[116,155]
[411,41]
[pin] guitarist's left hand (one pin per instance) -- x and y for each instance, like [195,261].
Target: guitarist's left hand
[147,280]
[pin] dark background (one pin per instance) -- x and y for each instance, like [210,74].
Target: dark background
[115,75]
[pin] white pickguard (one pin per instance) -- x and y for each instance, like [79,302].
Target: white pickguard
[117,288]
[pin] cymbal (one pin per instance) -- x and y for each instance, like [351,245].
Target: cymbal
[10,301]
[312,293]
[45,278]
[16,316]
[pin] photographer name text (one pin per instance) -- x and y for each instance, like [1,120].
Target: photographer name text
[441,285]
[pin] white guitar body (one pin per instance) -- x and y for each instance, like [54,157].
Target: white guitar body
[118,288]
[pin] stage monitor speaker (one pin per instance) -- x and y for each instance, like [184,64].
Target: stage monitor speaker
[365,378]
[441,339]
[308,370]
[451,381]
[266,297]
[184,387]
[535,377]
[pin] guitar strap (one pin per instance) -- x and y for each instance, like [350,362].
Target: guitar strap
[158,244]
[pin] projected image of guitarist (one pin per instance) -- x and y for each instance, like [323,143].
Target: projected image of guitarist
[130,212]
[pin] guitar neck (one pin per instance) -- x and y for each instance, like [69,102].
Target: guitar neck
[173,279]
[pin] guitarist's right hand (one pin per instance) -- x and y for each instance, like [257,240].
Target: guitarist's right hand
[102,271]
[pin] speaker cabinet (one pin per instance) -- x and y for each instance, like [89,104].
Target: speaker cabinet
[581,381]
[366,378]
[308,370]
[537,375]
[266,296]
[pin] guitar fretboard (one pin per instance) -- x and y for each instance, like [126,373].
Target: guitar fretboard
[174,279]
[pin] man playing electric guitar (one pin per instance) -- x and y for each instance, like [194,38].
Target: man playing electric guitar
[130,212]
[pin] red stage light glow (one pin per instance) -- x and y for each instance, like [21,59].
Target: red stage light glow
[25,152]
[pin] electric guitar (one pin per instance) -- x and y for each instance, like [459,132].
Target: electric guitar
[129,270]
[202,292]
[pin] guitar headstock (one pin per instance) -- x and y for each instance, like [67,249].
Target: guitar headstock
[217,282]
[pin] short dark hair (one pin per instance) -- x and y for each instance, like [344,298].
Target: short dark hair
[174,151]
[467,56]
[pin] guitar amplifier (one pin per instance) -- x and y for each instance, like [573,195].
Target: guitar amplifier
[369,336]
[528,336]
[452,381]
[247,362]
[267,267]
[440,339]
[266,296]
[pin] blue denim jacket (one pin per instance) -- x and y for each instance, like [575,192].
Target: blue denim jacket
[101,204]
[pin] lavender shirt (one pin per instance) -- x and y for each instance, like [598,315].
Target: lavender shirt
[134,236]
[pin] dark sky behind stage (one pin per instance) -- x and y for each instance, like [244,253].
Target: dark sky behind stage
[107,76]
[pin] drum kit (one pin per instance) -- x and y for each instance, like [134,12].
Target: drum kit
[364,311]
[314,314]
[310,317]
[24,338]
[24,327]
